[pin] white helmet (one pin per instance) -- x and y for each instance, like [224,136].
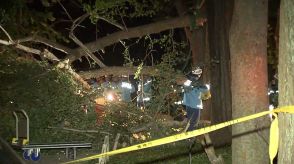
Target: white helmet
[197,71]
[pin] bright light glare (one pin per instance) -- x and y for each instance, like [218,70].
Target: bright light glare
[200,106]
[270,92]
[208,86]
[126,85]
[146,99]
[187,82]
[178,102]
[110,97]
[148,81]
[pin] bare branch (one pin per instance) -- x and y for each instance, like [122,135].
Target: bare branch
[78,21]
[4,42]
[68,15]
[6,33]
[47,54]
[111,22]
[47,42]
[78,42]
[125,26]
[28,49]
[201,4]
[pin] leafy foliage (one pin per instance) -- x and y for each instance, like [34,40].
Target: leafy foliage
[117,9]
[48,95]
[122,117]
[166,91]
[22,20]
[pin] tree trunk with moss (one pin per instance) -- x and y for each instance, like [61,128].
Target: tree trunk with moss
[248,45]
[286,81]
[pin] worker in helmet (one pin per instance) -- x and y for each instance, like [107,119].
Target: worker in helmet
[194,93]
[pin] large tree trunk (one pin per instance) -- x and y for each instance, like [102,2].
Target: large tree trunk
[248,42]
[286,81]
[219,19]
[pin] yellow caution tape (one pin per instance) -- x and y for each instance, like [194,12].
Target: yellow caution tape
[274,138]
[274,135]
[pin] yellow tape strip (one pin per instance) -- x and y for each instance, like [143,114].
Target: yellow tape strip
[273,136]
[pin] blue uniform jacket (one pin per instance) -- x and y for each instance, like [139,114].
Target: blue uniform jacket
[192,96]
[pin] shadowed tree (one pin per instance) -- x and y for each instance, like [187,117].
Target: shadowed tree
[219,18]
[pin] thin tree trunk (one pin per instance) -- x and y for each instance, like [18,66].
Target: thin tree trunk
[248,45]
[286,81]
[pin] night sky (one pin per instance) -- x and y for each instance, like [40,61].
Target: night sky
[89,32]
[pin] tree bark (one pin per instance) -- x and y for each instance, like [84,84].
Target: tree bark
[286,81]
[219,19]
[248,45]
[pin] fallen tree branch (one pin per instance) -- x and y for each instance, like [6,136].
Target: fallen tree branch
[117,71]
[64,65]
[78,130]
[138,32]
[134,32]
[142,128]
[6,33]
[168,123]
[50,56]
[47,42]
[46,54]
